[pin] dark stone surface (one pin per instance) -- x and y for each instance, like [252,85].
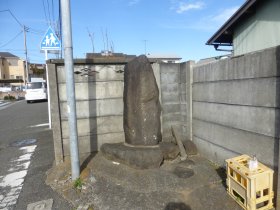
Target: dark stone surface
[169,150]
[190,147]
[135,157]
[141,103]
[183,173]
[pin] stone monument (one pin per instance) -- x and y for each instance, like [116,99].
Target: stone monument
[141,104]
[141,120]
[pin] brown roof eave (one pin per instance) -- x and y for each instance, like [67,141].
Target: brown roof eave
[227,26]
[11,81]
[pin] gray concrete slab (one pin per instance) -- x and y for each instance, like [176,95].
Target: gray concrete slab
[41,205]
[241,141]
[249,92]
[260,120]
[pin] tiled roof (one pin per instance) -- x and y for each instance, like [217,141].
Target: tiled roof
[7,55]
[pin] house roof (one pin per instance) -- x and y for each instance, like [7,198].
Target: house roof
[164,56]
[7,55]
[11,80]
[224,36]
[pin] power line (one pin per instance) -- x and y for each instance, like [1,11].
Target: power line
[7,10]
[53,11]
[49,12]
[11,40]
[34,50]
[45,12]
[37,32]
[25,29]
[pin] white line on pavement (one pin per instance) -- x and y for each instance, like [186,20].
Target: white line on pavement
[12,183]
[39,125]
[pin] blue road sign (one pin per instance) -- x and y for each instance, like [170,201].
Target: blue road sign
[50,41]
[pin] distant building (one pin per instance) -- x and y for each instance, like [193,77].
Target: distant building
[105,55]
[12,69]
[254,26]
[165,58]
[37,71]
[212,59]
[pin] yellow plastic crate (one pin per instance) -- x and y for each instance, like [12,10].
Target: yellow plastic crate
[252,189]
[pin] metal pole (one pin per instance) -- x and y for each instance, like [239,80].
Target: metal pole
[48,86]
[26,64]
[145,42]
[70,86]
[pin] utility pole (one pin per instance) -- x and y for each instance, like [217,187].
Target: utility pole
[25,29]
[70,86]
[25,50]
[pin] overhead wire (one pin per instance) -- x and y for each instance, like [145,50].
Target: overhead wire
[49,14]
[7,10]
[36,31]
[45,12]
[53,13]
[49,17]
[11,40]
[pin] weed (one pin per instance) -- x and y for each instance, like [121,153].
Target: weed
[78,183]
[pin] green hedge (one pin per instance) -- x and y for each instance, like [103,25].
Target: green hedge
[8,97]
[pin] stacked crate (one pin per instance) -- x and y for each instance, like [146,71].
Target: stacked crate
[252,189]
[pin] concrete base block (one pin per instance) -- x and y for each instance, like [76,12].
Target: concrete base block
[44,205]
[190,147]
[169,150]
[143,157]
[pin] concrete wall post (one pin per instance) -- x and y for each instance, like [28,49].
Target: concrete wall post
[55,114]
[189,83]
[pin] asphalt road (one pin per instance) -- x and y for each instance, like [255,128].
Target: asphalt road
[26,153]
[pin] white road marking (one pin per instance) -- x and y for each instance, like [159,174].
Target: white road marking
[28,149]
[4,103]
[39,125]
[12,183]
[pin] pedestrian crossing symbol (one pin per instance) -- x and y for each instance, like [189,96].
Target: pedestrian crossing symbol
[50,41]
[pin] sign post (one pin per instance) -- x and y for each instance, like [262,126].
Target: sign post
[49,42]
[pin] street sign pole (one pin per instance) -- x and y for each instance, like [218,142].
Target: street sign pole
[50,42]
[48,86]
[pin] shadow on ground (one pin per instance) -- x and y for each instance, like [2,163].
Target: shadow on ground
[177,206]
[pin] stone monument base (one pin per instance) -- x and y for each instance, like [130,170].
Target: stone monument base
[139,157]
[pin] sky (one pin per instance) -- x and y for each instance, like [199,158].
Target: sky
[134,27]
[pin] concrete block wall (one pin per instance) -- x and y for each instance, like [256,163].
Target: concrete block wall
[99,104]
[173,79]
[236,107]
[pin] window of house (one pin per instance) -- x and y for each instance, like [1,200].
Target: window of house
[13,62]
[12,76]
[19,77]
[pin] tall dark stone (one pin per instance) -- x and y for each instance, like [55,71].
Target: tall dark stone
[141,104]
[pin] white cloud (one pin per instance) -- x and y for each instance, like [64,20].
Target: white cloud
[205,23]
[133,2]
[224,15]
[184,7]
